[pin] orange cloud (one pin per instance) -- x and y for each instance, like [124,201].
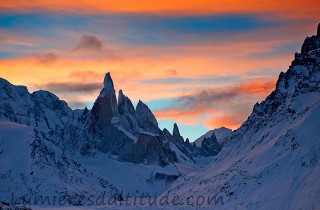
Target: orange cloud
[258,87]
[137,64]
[187,117]
[15,39]
[85,76]
[227,107]
[175,113]
[308,8]
[226,120]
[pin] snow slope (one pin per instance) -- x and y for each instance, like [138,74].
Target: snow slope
[131,178]
[15,139]
[273,160]
[277,168]
[31,167]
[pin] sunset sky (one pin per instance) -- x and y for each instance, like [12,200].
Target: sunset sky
[202,64]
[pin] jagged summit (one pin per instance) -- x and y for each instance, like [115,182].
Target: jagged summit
[301,77]
[311,43]
[108,87]
[107,82]
[133,134]
[175,132]
[106,101]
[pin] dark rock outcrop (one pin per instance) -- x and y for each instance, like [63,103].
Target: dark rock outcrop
[210,146]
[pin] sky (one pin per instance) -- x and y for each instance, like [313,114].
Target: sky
[202,64]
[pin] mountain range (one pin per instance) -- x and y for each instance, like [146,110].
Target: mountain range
[64,144]
[271,162]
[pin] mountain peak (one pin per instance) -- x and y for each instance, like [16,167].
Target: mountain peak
[105,107]
[108,87]
[176,131]
[311,43]
[107,82]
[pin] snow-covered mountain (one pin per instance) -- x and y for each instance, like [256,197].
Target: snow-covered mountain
[221,135]
[273,160]
[113,148]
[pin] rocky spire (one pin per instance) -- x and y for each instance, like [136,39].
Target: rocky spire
[124,104]
[121,97]
[318,31]
[105,107]
[187,141]
[109,94]
[145,118]
[108,87]
[176,132]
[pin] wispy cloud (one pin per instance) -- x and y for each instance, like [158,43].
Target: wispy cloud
[172,72]
[140,29]
[47,58]
[195,80]
[88,43]
[218,103]
[61,87]
[77,104]
[86,76]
